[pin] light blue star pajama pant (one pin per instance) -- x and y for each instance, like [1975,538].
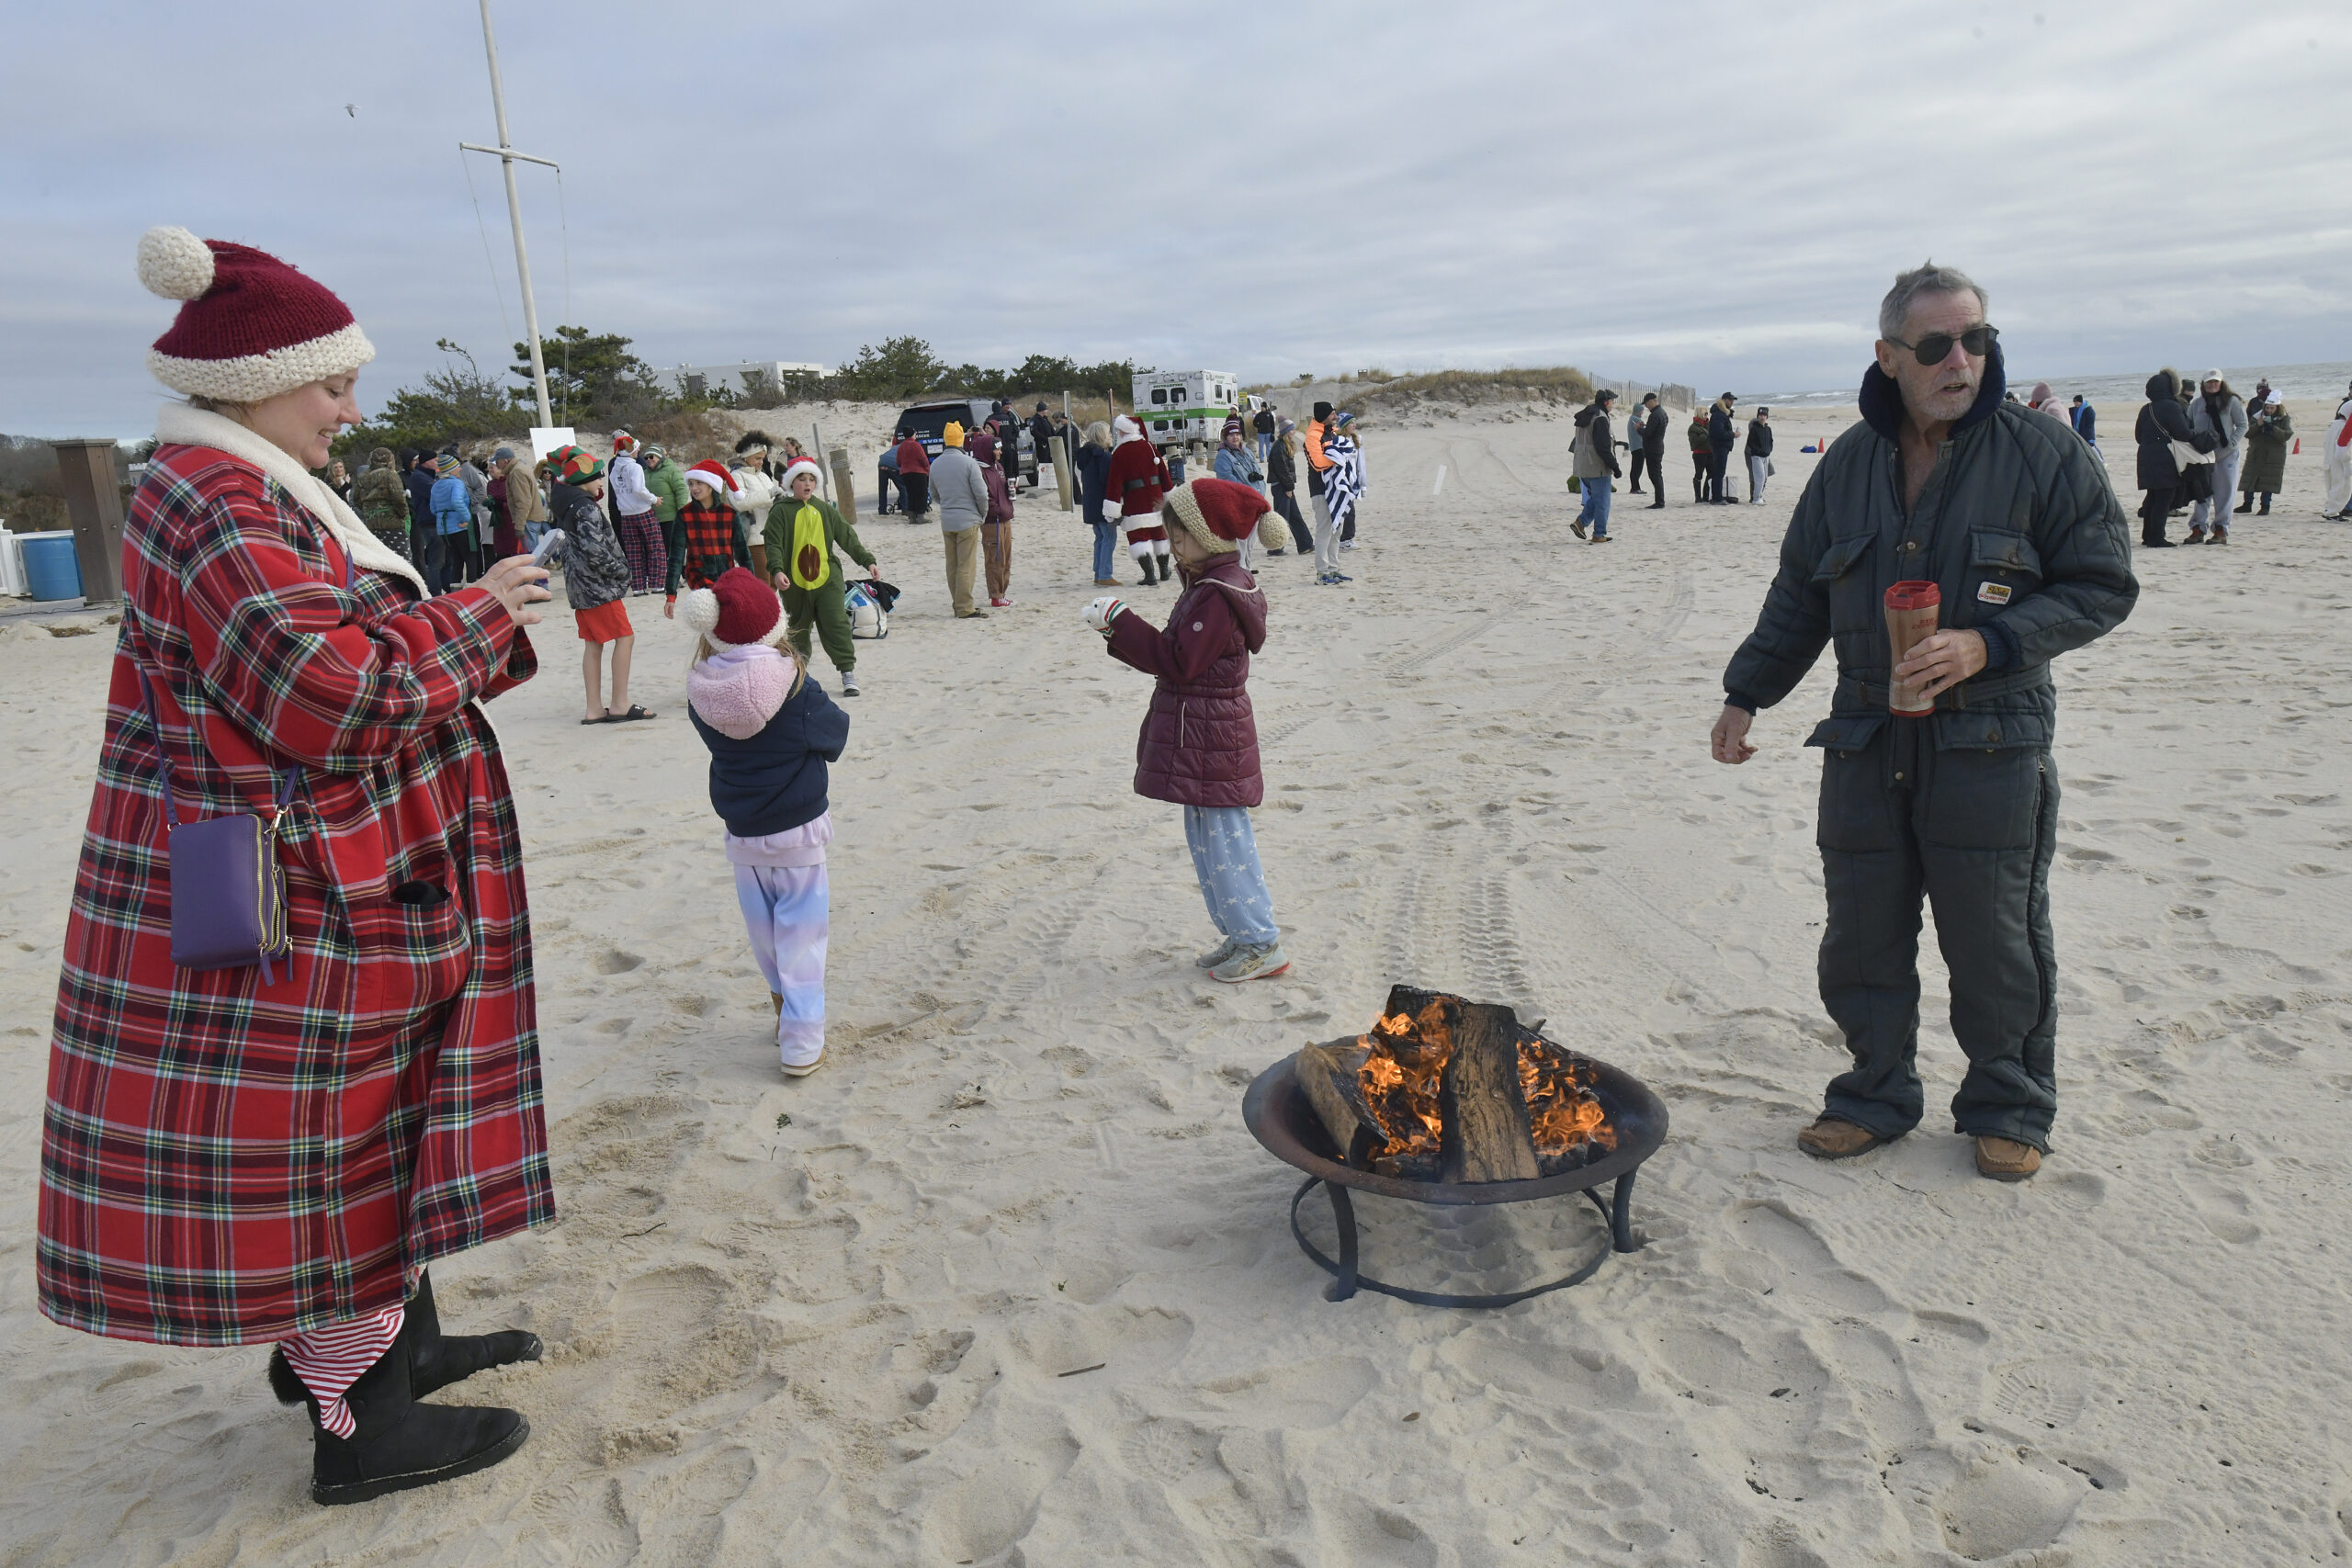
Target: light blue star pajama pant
[1225,857]
[786,911]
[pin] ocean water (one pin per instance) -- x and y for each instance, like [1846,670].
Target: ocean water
[2326,380]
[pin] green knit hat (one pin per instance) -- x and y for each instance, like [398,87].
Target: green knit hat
[575,465]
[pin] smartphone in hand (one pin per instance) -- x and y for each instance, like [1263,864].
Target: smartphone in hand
[549,542]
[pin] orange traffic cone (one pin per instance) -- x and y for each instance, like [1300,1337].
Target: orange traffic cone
[2299,446]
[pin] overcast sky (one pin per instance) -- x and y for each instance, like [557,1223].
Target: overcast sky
[1697,193]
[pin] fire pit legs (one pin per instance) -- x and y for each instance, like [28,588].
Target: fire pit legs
[1347,1278]
[1343,1210]
[1619,1214]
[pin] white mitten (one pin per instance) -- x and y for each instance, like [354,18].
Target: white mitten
[1102,612]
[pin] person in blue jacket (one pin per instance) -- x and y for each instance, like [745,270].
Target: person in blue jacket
[771,731]
[453,518]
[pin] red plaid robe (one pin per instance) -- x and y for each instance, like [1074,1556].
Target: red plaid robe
[225,1162]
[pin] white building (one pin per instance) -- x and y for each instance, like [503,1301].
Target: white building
[705,380]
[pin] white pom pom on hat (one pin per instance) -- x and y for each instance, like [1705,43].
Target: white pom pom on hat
[699,610]
[173,263]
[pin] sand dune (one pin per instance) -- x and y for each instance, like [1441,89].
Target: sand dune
[842,1338]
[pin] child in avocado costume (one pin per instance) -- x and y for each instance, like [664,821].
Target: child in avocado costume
[803,532]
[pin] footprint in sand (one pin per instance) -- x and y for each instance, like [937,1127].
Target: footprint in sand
[2009,1500]
[616,963]
[2046,1392]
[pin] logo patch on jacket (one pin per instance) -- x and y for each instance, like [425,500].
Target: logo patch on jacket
[1993,592]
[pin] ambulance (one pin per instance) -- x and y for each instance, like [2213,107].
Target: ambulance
[1185,408]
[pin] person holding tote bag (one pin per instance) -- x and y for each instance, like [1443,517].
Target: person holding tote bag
[270,1153]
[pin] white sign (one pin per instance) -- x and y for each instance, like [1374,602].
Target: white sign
[546,438]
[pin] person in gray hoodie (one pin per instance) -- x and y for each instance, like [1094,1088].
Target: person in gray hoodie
[2220,413]
[961,492]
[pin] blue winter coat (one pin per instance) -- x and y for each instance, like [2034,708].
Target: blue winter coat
[453,505]
[776,779]
[1093,465]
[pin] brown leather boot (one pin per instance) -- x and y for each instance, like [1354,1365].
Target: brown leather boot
[1833,1138]
[2006,1159]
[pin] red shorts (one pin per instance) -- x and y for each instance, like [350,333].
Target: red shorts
[605,623]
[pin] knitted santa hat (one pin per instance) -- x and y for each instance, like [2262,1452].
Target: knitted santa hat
[715,475]
[250,326]
[797,467]
[738,610]
[1218,513]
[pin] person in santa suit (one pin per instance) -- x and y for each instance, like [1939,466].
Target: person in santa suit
[1139,480]
[268,1147]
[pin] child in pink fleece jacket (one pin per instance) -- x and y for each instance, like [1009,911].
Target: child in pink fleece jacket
[771,730]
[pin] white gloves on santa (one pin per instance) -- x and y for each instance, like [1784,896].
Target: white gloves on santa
[1102,612]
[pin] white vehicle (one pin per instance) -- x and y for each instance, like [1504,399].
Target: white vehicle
[1179,408]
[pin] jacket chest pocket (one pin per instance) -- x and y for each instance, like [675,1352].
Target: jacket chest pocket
[1840,573]
[2002,568]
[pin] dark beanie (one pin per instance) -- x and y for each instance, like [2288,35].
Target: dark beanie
[1322,411]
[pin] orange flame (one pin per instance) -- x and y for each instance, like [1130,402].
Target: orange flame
[1405,1065]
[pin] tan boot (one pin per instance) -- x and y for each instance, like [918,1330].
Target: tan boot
[2006,1159]
[1833,1138]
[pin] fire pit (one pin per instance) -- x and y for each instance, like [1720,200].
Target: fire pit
[1450,1101]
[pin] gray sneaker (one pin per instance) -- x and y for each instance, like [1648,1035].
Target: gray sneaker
[1251,962]
[1219,954]
[849,684]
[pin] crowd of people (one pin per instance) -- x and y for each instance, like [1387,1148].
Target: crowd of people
[2198,443]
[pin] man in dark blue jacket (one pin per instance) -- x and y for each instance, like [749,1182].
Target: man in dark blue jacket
[1724,436]
[419,484]
[2012,519]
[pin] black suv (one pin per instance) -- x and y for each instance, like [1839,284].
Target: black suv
[928,419]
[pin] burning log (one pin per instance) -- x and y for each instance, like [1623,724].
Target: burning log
[1332,1077]
[1442,1089]
[1486,1136]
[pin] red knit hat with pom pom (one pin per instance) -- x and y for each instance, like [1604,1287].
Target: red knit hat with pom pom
[736,610]
[250,326]
[1218,513]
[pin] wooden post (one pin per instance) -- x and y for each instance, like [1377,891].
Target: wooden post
[844,492]
[1061,448]
[94,500]
[1486,1136]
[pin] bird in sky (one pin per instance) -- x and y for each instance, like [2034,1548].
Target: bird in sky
[351,109]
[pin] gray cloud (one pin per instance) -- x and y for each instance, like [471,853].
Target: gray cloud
[1702,194]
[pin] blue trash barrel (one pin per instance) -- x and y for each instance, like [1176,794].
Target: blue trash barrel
[52,571]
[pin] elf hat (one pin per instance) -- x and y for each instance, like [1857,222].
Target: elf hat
[738,610]
[720,481]
[575,465]
[799,466]
[623,442]
[1218,513]
[250,326]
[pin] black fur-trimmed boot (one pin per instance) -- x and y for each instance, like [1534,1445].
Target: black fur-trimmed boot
[396,1443]
[1145,562]
[437,1359]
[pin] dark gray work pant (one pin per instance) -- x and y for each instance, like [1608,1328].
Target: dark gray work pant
[1974,829]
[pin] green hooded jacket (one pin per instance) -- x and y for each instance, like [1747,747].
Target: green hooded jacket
[668,485]
[839,536]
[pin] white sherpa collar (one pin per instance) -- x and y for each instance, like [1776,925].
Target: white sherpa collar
[178,425]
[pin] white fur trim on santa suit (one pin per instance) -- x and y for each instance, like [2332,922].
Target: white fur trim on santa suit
[251,378]
[802,465]
[178,425]
[1123,430]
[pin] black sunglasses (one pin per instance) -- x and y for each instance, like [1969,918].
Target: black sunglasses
[1935,348]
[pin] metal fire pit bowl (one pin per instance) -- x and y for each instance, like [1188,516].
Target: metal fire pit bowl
[1278,1115]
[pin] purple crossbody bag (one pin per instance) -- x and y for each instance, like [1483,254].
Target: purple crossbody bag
[228,890]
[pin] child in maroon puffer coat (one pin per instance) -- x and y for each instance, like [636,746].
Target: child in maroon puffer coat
[1199,745]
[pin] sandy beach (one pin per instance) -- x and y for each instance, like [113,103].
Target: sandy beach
[1007,1282]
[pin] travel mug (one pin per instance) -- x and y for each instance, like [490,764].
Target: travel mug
[1912,611]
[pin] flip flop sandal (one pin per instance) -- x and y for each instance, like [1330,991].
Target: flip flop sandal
[606,719]
[634,714]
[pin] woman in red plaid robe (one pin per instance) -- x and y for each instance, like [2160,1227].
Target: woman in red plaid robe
[226,1160]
